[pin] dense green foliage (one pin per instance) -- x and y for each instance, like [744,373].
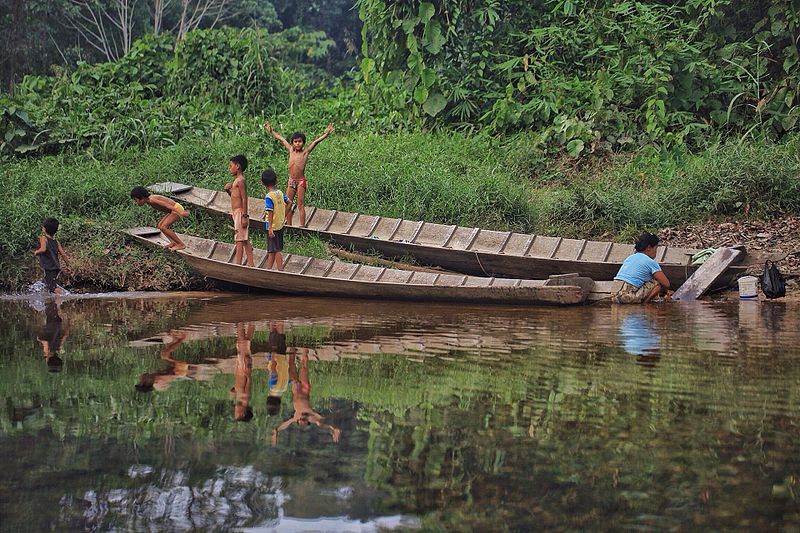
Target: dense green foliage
[589,76]
[155,96]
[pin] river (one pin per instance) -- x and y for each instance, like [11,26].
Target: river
[254,413]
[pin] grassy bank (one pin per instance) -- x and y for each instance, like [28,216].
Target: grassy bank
[440,177]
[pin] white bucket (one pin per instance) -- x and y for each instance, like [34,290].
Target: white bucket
[748,287]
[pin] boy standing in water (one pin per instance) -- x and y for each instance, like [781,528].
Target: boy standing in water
[174,212]
[49,252]
[274,216]
[241,219]
[298,157]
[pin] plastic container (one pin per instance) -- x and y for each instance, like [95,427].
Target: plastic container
[748,287]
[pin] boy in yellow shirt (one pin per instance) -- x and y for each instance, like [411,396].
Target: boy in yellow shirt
[274,219]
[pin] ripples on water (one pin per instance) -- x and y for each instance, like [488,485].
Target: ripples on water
[122,414]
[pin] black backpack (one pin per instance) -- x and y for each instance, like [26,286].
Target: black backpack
[772,283]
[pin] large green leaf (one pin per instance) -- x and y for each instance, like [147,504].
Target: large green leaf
[433,37]
[428,77]
[426,11]
[421,94]
[434,104]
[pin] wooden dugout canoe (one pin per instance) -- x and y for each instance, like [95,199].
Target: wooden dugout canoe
[473,251]
[321,277]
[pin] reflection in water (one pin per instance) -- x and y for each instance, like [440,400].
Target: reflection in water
[450,418]
[278,367]
[303,414]
[52,336]
[639,335]
[242,412]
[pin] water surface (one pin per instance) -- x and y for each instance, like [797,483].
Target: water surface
[153,413]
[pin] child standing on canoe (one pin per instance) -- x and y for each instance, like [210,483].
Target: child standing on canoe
[49,252]
[241,219]
[174,212]
[274,218]
[640,274]
[298,157]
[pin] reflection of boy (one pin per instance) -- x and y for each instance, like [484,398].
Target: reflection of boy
[303,415]
[52,337]
[177,369]
[278,368]
[242,412]
[274,218]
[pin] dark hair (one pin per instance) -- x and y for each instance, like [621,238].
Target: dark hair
[241,161]
[269,178]
[50,225]
[644,241]
[139,193]
[298,135]
[54,363]
[146,382]
[273,405]
[247,416]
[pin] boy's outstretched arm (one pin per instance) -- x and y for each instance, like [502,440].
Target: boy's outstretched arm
[319,139]
[277,135]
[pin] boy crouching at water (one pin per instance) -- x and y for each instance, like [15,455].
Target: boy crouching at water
[640,274]
[49,252]
[274,219]
[174,212]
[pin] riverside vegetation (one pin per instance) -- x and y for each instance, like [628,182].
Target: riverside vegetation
[561,119]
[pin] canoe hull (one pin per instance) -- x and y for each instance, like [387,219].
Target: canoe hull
[318,277]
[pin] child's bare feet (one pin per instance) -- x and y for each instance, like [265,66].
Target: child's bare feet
[176,247]
[168,246]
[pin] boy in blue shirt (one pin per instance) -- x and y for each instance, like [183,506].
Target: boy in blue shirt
[274,218]
[641,276]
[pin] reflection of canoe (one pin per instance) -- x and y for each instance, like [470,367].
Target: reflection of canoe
[306,275]
[469,250]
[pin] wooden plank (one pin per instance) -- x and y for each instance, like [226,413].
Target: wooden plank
[374,225]
[529,245]
[435,279]
[450,236]
[212,250]
[212,198]
[417,231]
[329,222]
[351,224]
[607,252]
[702,279]
[556,247]
[580,250]
[328,269]
[263,261]
[380,274]
[310,215]
[306,265]
[472,237]
[505,243]
[394,231]
[233,253]
[661,255]
[355,271]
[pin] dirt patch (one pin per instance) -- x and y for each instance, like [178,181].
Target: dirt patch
[781,235]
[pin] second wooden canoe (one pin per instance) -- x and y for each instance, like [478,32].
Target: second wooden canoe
[473,251]
[320,277]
